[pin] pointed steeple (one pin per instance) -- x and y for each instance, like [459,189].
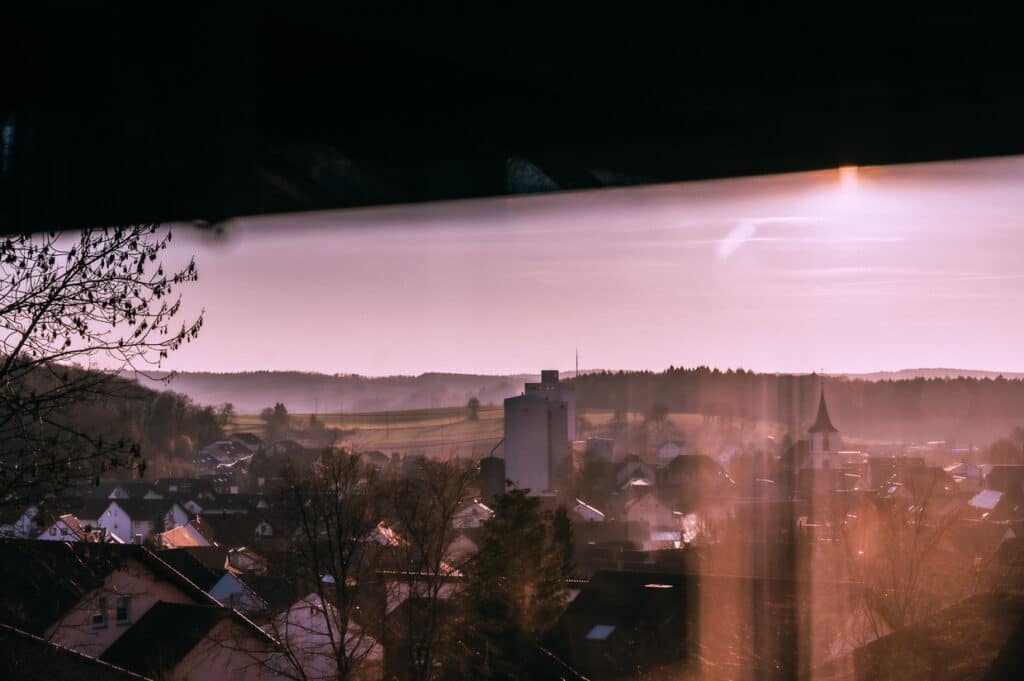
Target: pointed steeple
[822,424]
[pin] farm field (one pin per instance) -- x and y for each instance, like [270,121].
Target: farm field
[448,432]
[442,432]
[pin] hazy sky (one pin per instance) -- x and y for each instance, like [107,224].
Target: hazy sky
[872,269]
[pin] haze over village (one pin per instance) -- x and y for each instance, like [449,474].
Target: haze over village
[697,431]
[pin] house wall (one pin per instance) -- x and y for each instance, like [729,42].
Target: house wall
[75,630]
[24,527]
[304,631]
[652,511]
[228,653]
[61,532]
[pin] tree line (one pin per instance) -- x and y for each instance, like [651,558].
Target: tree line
[961,409]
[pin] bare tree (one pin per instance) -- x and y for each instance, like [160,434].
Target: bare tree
[890,551]
[65,301]
[428,575]
[336,551]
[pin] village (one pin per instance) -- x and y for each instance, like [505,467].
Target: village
[266,564]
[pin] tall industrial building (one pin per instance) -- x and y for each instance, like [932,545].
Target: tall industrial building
[539,425]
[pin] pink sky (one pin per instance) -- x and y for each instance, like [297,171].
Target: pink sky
[897,267]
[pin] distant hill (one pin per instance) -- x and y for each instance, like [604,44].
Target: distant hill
[910,374]
[912,405]
[300,392]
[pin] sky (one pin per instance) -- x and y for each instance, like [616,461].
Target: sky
[843,270]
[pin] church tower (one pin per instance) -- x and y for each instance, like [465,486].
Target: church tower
[824,436]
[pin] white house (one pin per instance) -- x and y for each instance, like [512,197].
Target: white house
[137,519]
[22,525]
[66,528]
[304,631]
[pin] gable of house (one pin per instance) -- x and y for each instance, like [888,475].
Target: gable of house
[195,642]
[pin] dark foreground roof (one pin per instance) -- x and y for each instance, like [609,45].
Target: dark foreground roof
[40,581]
[167,633]
[978,639]
[193,566]
[26,657]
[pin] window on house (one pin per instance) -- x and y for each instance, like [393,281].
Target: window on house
[123,611]
[99,618]
[53,531]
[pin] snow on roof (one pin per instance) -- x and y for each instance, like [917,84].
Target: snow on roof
[986,499]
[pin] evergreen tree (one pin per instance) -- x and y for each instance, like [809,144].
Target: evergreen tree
[515,588]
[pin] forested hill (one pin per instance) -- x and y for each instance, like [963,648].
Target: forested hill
[963,410]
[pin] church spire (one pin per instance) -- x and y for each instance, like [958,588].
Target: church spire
[822,424]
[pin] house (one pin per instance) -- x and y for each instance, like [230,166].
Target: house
[669,450]
[632,469]
[313,644]
[137,519]
[27,657]
[1008,478]
[404,629]
[69,528]
[88,510]
[15,522]
[652,510]
[247,442]
[225,504]
[182,536]
[598,449]
[207,569]
[472,514]
[244,529]
[622,623]
[188,642]
[244,560]
[688,478]
[583,511]
[133,489]
[82,595]
[184,489]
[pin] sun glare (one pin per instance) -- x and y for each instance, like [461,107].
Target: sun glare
[848,177]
